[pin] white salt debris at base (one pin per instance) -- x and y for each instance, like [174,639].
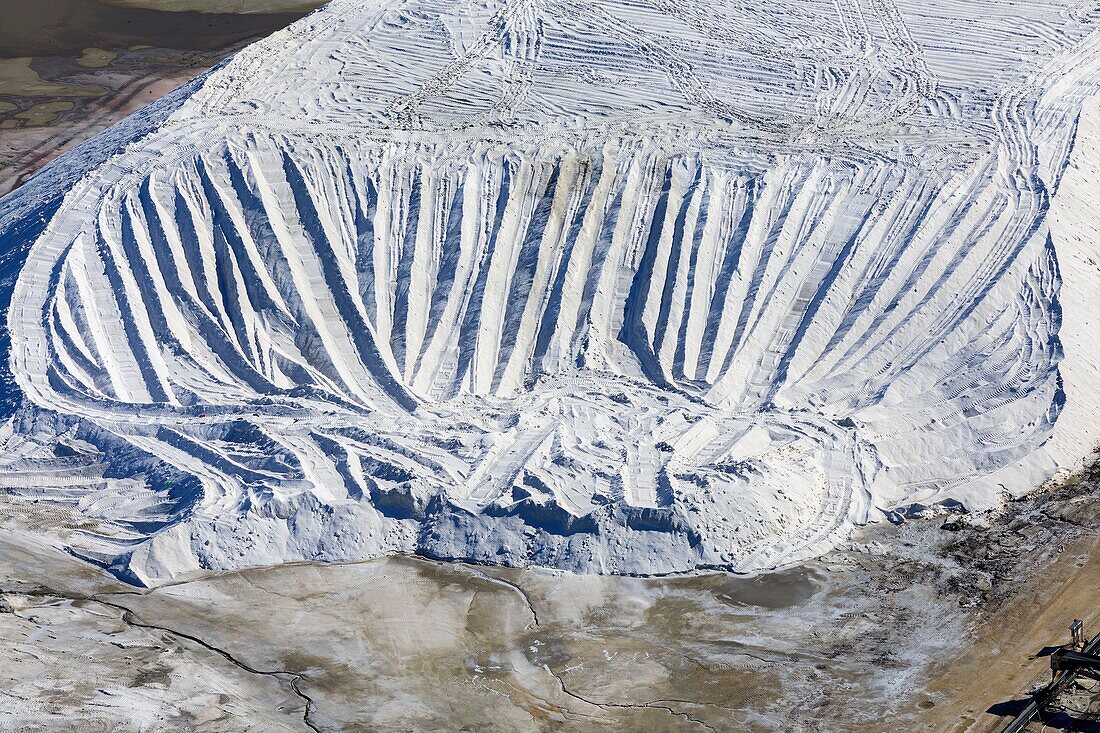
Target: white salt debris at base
[604,286]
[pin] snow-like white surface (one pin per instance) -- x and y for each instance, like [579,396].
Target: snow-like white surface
[608,286]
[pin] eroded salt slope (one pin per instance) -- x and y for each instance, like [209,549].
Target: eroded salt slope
[606,286]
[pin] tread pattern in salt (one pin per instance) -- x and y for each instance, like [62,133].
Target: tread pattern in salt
[613,286]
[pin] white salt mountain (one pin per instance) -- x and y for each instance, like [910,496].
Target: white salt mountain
[604,286]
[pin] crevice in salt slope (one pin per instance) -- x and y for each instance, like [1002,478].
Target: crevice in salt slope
[615,350]
[529,449]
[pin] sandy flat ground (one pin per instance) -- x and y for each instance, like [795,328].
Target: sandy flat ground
[1003,661]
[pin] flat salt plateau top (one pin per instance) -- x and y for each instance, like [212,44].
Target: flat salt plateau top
[634,287]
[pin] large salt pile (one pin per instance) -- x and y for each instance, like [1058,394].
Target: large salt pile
[610,286]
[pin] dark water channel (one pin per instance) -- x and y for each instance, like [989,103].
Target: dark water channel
[67,27]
